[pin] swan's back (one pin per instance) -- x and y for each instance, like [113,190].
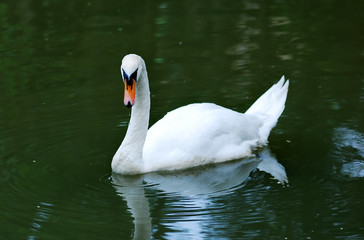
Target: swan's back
[198,134]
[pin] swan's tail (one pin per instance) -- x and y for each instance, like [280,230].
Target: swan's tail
[269,107]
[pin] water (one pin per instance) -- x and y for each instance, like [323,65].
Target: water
[62,118]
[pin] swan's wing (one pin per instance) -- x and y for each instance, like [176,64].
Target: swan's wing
[198,134]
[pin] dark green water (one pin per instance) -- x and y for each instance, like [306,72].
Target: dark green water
[62,118]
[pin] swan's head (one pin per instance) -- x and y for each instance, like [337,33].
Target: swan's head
[131,68]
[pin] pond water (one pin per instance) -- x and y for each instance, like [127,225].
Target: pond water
[62,118]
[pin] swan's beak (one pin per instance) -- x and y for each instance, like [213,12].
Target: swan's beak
[129,93]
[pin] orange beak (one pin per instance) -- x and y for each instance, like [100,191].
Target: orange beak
[129,93]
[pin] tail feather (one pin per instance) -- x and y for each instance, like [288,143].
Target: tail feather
[269,107]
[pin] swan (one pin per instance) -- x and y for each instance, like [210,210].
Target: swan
[192,135]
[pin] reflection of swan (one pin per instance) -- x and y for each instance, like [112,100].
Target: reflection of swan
[192,135]
[210,180]
[213,179]
[132,190]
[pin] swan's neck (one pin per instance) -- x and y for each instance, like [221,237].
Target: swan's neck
[129,157]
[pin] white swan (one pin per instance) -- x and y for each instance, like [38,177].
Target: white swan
[191,135]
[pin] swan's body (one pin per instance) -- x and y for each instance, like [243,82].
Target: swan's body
[192,135]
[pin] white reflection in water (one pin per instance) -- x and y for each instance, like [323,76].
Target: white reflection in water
[193,188]
[42,216]
[353,169]
[349,148]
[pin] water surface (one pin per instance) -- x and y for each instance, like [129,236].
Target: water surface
[62,118]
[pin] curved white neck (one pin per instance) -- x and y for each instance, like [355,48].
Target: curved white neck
[129,157]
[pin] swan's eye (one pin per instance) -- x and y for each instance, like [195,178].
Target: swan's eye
[134,75]
[125,76]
